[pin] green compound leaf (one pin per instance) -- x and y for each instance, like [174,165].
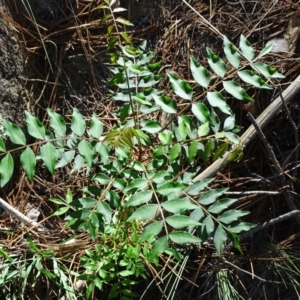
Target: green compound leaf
[14,132]
[180,87]
[208,150]
[122,96]
[139,70]
[144,212]
[236,154]
[251,78]
[150,231]
[6,169]
[241,226]
[246,48]
[171,188]
[78,123]
[87,151]
[232,215]
[234,89]
[220,238]
[104,209]
[142,47]
[150,126]
[203,130]
[28,162]
[158,247]
[200,74]
[197,187]
[166,137]
[123,34]
[124,112]
[61,211]
[166,104]
[211,196]
[216,99]
[92,190]
[124,137]
[174,153]
[2,145]
[181,237]
[141,99]
[220,205]
[84,202]
[65,159]
[267,71]
[149,81]
[229,123]
[161,176]
[231,53]
[91,230]
[181,221]
[136,185]
[69,196]
[130,52]
[201,112]
[139,198]
[57,123]
[141,136]
[101,178]
[79,161]
[103,151]
[185,126]
[216,63]
[192,151]
[197,215]
[96,127]
[215,121]
[49,156]
[155,66]
[266,50]
[124,21]
[206,229]
[220,151]
[117,79]
[177,206]
[34,126]
[232,137]
[95,219]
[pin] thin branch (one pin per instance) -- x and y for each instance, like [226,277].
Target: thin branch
[267,179]
[257,277]
[254,192]
[20,217]
[267,224]
[276,164]
[296,151]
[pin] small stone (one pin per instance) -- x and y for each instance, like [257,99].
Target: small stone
[279,45]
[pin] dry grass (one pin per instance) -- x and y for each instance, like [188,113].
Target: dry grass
[75,75]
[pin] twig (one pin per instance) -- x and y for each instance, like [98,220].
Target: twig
[254,192]
[267,180]
[267,224]
[257,277]
[20,217]
[276,164]
[296,151]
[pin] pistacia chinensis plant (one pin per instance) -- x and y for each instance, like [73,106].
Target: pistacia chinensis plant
[142,200]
